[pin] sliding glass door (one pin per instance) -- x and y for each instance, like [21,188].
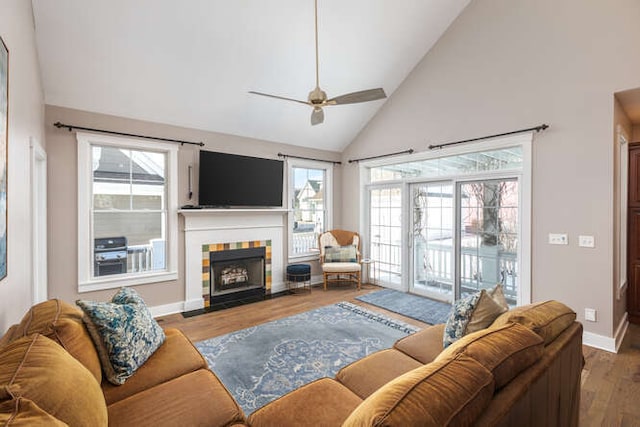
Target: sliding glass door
[488,236]
[464,238]
[433,240]
[448,224]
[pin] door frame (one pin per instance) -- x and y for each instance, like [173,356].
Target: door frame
[38,222]
[522,174]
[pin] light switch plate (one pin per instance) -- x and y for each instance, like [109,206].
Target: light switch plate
[586,241]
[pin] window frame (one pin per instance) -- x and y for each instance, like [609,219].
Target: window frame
[523,174]
[327,202]
[88,283]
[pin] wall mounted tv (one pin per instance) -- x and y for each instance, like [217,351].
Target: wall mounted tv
[229,180]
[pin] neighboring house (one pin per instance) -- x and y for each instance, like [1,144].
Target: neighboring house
[309,201]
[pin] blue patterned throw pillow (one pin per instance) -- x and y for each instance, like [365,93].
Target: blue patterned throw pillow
[459,318]
[347,253]
[473,313]
[124,332]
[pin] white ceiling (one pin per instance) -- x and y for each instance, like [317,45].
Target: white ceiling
[190,63]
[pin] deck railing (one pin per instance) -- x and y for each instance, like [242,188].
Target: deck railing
[139,258]
[304,242]
[480,268]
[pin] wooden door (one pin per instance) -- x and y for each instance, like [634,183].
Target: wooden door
[633,236]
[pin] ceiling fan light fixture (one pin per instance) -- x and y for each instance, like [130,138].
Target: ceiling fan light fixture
[318,98]
[317,116]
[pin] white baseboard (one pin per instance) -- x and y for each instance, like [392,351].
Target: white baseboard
[611,344]
[166,309]
[194,304]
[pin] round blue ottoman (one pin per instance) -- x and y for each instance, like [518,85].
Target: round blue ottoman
[298,277]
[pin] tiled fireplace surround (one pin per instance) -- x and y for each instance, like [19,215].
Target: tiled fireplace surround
[208,230]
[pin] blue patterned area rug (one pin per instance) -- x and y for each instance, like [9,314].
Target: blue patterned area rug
[420,308]
[261,363]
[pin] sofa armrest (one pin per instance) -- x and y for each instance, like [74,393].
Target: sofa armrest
[424,345]
[324,402]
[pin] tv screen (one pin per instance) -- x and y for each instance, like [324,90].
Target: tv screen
[231,180]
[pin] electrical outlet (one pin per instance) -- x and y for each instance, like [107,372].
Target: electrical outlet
[590,314]
[558,239]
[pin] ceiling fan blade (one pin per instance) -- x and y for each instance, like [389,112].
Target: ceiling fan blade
[361,96]
[317,116]
[279,97]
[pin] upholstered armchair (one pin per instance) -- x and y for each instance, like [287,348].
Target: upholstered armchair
[340,256]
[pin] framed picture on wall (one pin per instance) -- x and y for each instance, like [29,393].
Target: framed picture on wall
[4,141]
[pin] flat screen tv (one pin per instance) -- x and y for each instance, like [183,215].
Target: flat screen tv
[229,180]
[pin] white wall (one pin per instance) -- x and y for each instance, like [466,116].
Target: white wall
[26,112]
[506,65]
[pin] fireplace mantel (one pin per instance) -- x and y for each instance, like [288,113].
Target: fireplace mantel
[203,211]
[213,226]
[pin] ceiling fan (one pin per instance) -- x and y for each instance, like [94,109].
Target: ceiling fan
[318,98]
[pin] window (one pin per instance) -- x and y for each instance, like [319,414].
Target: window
[127,220]
[310,206]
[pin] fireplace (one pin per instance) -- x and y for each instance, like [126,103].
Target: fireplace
[237,276]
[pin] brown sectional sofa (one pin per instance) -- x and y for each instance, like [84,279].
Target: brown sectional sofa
[50,372]
[523,370]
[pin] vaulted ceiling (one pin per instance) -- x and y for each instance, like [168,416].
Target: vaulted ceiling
[191,63]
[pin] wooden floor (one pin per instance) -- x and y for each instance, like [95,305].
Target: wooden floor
[210,325]
[610,382]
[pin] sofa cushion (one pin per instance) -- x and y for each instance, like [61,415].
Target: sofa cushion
[547,319]
[424,345]
[470,314]
[38,369]
[505,351]
[323,402]
[194,399]
[175,357]
[385,366]
[450,392]
[124,333]
[341,267]
[62,323]
[21,412]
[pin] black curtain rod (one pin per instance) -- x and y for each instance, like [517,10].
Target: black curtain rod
[71,127]
[536,128]
[409,151]
[308,158]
